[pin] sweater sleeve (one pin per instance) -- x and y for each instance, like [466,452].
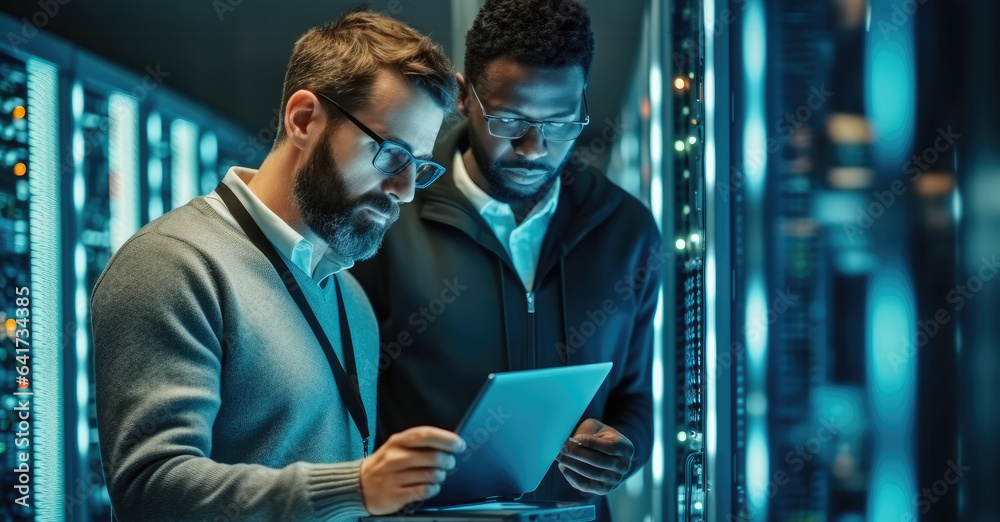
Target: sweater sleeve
[629,408]
[158,329]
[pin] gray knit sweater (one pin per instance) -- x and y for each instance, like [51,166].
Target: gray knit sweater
[214,399]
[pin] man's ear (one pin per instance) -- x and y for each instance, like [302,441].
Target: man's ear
[305,118]
[463,94]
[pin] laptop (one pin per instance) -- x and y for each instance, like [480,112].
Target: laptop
[513,432]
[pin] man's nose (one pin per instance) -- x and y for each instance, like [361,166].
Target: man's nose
[532,145]
[401,185]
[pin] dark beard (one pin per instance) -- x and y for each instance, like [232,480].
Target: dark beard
[501,189]
[321,195]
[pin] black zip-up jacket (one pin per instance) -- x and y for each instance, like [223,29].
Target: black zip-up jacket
[452,309]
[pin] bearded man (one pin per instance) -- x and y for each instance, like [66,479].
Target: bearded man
[236,364]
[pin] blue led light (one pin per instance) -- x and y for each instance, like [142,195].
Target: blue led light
[123,171]
[755,329]
[184,175]
[892,360]
[209,149]
[893,349]
[45,217]
[890,92]
[154,130]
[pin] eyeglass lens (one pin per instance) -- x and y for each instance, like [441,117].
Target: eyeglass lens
[393,158]
[555,131]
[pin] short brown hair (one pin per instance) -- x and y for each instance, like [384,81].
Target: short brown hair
[340,59]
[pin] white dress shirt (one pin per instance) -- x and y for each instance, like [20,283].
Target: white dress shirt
[302,246]
[523,242]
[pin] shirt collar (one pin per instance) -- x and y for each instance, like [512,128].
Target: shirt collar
[302,246]
[485,204]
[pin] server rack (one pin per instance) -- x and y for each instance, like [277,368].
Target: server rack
[841,252]
[14,244]
[845,366]
[104,151]
[685,171]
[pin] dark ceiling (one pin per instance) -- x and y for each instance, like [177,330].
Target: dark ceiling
[231,54]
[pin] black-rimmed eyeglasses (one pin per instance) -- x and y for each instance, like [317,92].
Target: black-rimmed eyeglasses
[513,128]
[391,157]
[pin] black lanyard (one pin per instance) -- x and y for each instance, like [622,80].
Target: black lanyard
[351,394]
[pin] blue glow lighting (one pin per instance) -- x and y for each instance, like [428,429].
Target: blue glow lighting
[656,206]
[628,150]
[755,329]
[123,171]
[891,490]
[209,149]
[155,173]
[154,169]
[754,132]
[843,405]
[890,92]
[46,290]
[82,347]
[79,149]
[891,361]
[658,455]
[757,469]
[711,341]
[956,206]
[656,132]
[892,347]
[154,130]
[184,173]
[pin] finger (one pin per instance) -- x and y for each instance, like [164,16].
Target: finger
[582,483]
[590,425]
[416,477]
[596,458]
[414,494]
[602,475]
[621,447]
[429,437]
[403,459]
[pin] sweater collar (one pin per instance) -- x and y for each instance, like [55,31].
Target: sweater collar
[301,246]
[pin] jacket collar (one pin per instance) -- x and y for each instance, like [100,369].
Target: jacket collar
[586,199]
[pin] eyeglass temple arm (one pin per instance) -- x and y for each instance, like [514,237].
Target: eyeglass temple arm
[378,139]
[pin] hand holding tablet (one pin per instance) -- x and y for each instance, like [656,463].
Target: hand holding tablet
[596,458]
[512,432]
[408,468]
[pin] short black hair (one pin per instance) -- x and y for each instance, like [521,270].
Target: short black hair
[539,33]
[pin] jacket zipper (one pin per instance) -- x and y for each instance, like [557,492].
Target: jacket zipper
[530,345]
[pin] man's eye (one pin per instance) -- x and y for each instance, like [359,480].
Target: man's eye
[508,120]
[557,124]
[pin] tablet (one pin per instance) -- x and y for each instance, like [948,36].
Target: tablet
[501,511]
[515,429]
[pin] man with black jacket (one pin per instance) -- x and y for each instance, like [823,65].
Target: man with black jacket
[521,257]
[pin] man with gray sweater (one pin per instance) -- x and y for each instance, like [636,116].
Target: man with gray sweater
[236,363]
